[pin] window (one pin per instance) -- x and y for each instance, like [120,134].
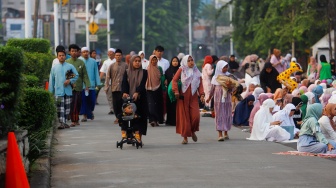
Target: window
[15,27]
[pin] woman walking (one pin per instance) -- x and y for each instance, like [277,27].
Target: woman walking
[187,107]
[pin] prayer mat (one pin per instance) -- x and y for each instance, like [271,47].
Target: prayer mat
[298,153]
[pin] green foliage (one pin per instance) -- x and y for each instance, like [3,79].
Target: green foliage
[263,25]
[11,65]
[38,64]
[31,81]
[31,45]
[37,115]
[166,25]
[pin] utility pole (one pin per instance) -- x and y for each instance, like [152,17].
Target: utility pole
[56,26]
[37,5]
[28,13]
[62,24]
[190,33]
[69,29]
[143,25]
[108,24]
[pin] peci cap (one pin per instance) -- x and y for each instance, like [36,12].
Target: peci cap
[111,50]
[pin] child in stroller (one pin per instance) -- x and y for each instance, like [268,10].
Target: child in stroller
[128,121]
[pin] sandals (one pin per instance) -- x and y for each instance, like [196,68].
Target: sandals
[194,137]
[61,127]
[84,120]
[226,137]
[184,142]
[221,139]
[116,121]
[73,124]
[66,125]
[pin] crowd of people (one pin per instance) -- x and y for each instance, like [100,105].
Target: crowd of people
[174,93]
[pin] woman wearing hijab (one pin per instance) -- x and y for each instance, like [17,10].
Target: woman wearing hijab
[279,100]
[317,91]
[304,105]
[262,97]
[171,106]
[154,92]
[268,78]
[297,116]
[187,107]
[222,104]
[285,116]
[311,98]
[312,70]
[243,110]
[133,87]
[264,127]
[207,72]
[311,138]
[326,122]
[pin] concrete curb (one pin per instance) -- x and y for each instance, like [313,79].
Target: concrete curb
[39,175]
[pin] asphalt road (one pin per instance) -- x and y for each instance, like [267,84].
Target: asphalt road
[86,156]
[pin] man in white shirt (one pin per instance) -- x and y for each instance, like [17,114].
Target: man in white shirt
[103,70]
[163,63]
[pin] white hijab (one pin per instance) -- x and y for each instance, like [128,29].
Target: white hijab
[310,96]
[262,121]
[189,76]
[283,115]
[220,65]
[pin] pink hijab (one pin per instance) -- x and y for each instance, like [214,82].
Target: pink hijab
[262,97]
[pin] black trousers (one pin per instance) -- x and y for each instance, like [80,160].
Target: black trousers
[117,102]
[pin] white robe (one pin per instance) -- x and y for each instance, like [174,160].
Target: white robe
[262,128]
[286,120]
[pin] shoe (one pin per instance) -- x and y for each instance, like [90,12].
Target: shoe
[110,113]
[66,125]
[61,126]
[194,137]
[97,103]
[84,120]
[184,142]
[77,123]
[220,139]
[226,137]
[92,117]
[153,124]
[73,124]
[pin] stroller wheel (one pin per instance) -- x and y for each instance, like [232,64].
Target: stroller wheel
[121,146]
[137,145]
[117,144]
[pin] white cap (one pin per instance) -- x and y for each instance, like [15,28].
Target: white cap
[85,49]
[141,52]
[111,50]
[293,59]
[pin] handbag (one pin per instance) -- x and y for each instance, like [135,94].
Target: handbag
[171,93]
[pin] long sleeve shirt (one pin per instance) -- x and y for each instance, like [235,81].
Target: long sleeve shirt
[92,71]
[57,78]
[326,128]
[83,75]
[115,74]
[311,127]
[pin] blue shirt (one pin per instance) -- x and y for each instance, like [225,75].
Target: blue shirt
[92,71]
[57,78]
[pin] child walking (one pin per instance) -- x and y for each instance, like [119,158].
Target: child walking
[222,103]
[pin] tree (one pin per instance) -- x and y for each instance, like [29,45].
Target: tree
[262,25]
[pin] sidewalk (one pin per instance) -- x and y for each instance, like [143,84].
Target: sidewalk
[86,156]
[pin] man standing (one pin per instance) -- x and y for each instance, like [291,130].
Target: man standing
[78,86]
[115,76]
[103,70]
[163,63]
[62,75]
[89,96]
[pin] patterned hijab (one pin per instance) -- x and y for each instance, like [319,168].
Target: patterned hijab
[134,75]
[153,80]
[189,76]
[220,65]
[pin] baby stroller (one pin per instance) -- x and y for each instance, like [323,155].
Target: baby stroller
[128,120]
